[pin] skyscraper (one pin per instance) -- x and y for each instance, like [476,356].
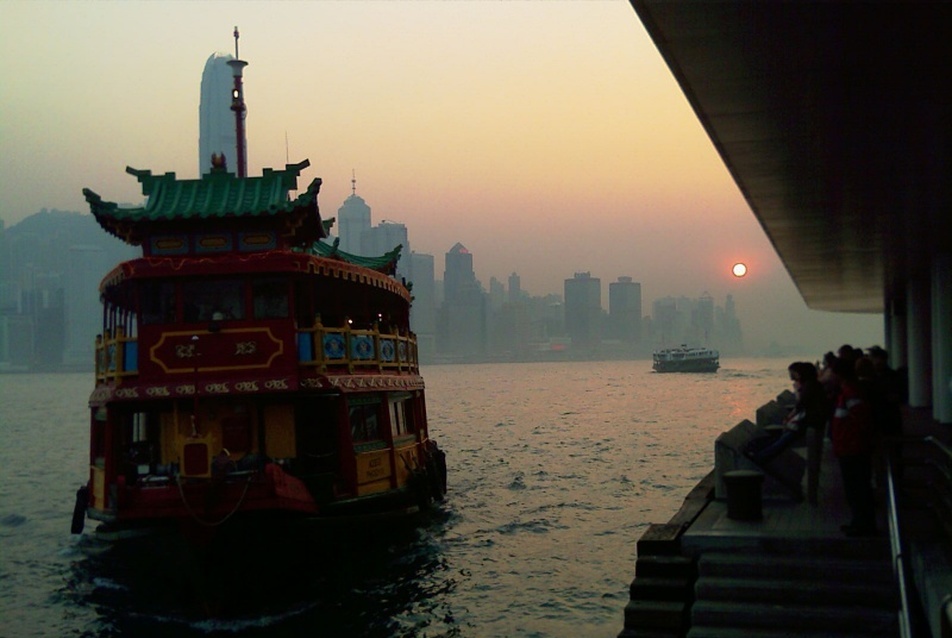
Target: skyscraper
[423,310]
[383,238]
[458,276]
[515,288]
[462,329]
[583,309]
[624,310]
[353,220]
[216,120]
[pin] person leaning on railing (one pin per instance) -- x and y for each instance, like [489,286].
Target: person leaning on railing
[810,411]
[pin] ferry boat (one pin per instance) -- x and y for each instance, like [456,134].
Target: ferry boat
[248,368]
[685,359]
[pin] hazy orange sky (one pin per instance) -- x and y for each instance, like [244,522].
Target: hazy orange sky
[547,137]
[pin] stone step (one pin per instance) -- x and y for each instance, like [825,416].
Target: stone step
[859,593]
[665,567]
[832,619]
[659,588]
[656,615]
[729,632]
[793,568]
[635,632]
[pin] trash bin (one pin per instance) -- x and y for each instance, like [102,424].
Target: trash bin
[744,501]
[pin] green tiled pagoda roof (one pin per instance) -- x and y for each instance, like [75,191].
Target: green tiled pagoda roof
[216,195]
[386,263]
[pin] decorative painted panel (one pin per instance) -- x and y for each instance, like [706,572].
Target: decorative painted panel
[334,346]
[169,245]
[251,242]
[362,347]
[387,350]
[217,243]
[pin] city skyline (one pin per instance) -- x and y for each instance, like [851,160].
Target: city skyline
[549,138]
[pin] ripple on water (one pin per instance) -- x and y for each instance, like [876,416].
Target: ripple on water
[554,471]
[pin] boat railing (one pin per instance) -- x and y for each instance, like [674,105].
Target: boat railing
[357,349]
[325,347]
[117,356]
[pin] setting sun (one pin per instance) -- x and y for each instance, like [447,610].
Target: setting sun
[739,270]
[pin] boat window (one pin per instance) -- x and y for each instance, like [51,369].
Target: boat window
[158,302]
[364,421]
[98,438]
[399,423]
[142,437]
[270,298]
[206,300]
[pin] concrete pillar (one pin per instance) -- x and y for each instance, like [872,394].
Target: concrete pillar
[896,337]
[919,333]
[942,337]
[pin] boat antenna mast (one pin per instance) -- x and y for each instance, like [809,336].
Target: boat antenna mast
[238,106]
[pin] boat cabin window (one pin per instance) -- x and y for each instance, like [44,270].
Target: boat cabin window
[207,300]
[142,436]
[270,298]
[364,420]
[98,443]
[158,302]
[400,424]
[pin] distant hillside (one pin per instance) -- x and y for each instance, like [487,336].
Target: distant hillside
[44,239]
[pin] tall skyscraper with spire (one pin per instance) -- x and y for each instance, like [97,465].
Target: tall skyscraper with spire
[216,122]
[217,130]
[353,221]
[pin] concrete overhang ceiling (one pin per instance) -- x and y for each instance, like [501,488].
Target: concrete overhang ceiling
[834,120]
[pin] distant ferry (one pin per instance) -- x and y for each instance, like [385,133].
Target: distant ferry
[685,359]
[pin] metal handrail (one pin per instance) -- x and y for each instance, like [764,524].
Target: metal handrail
[900,565]
[898,558]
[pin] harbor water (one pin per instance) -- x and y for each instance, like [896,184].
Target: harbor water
[555,470]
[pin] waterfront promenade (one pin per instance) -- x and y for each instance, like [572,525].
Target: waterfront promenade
[793,572]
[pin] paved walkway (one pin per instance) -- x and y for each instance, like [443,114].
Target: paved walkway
[793,520]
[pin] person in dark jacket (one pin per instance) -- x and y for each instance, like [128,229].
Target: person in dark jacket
[810,411]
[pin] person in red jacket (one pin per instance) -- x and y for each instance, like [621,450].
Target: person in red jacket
[854,438]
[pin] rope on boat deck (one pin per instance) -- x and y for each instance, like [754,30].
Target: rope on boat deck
[198,519]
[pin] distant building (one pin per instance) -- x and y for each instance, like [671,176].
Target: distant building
[216,120]
[583,310]
[702,320]
[624,310]
[727,327]
[697,322]
[666,321]
[497,294]
[353,220]
[515,288]
[459,278]
[463,315]
[383,238]
[423,309]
